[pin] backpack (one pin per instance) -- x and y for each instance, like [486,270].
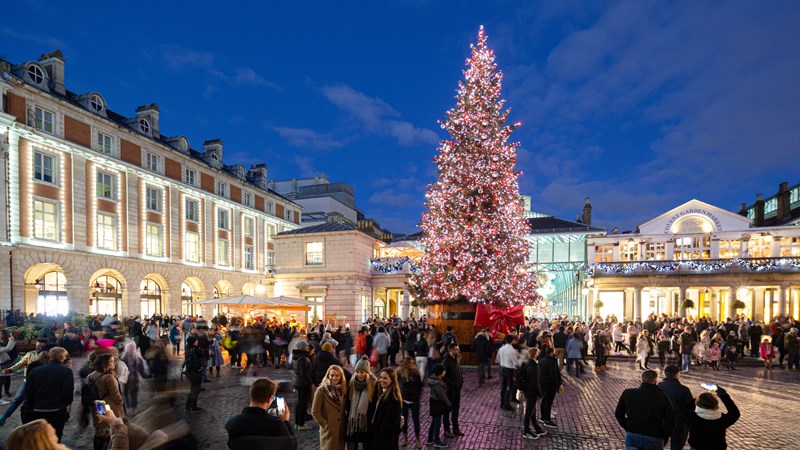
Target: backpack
[522,377]
[89,391]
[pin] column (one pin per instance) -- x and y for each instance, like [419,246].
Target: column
[732,296]
[681,298]
[783,295]
[628,311]
[714,303]
[637,303]
[670,299]
[758,303]
[406,304]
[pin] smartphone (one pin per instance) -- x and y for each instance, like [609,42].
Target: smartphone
[101,407]
[281,403]
[708,386]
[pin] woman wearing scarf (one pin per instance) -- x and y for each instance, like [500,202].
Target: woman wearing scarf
[329,409]
[362,386]
[707,425]
[384,413]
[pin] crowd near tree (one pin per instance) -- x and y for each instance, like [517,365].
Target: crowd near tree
[365,388]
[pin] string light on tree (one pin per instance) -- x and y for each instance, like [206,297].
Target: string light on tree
[473,229]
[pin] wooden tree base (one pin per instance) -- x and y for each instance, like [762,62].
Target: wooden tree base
[461,317]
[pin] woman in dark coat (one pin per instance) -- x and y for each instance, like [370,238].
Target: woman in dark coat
[707,425]
[384,412]
[533,391]
[411,389]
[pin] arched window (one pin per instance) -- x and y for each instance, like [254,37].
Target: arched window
[187,297]
[36,73]
[107,296]
[52,298]
[151,297]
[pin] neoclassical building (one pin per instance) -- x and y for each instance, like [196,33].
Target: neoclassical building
[699,252]
[101,213]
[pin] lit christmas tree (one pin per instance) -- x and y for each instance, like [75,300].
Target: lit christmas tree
[474,231]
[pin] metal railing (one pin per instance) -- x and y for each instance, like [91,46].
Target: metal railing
[735,265]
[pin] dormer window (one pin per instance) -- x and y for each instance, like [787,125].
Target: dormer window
[144,125]
[97,103]
[36,73]
[214,157]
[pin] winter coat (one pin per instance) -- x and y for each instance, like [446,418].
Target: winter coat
[384,422]
[791,343]
[483,348]
[767,351]
[321,363]
[440,404]
[421,348]
[646,411]
[549,374]
[108,390]
[686,342]
[453,377]
[534,389]
[301,369]
[361,344]
[710,434]
[215,352]
[331,418]
[381,343]
[574,346]
[412,388]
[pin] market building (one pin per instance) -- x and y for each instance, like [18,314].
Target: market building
[101,213]
[697,251]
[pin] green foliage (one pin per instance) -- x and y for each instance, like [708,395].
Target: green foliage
[598,304]
[30,330]
[79,321]
[738,304]
[687,304]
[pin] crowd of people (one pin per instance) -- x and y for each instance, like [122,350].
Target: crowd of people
[367,387]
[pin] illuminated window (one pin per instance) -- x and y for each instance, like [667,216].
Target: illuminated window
[106,186]
[191,246]
[151,162]
[603,253]
[52,299]
[629,251]
[730,248]
[222,219]
[790,247]
[314,253]
[249,257]
[190,177]
[249,226]
[46,221]
[150,293]
[270,258]
[106,232]
[44,120]
[223,252]
[153,199]
[692,248]
[760,246]
[222,189]
[656,251]
[192,210]
[104,143]
[270,231]
[154,240]
[44,167]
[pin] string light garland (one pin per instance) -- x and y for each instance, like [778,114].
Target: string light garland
[474,229]
[751,265]
[392,265]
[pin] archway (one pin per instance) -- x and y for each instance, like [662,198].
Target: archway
[192,290]
[223,289]
[106,288]
[46,290]
[152,291]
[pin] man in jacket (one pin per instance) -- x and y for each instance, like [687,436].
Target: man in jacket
[509,361]
[303,381]
[381,343]
[682,402]
[48,391]
[560,345]
[686,343]
[193,365]
[550,382]
[482,346]
[453,379]
[646,414]
[257,427]
[791,345]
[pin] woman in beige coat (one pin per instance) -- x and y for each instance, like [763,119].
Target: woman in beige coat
[329,409]
[107,387]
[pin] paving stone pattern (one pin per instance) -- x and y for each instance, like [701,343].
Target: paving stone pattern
[769,401]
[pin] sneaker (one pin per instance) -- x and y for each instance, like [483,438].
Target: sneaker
[302,427]
[429,443]
[439,445]
[549,424]
[530,436]
[541,432]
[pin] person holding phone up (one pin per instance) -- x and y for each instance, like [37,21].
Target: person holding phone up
[707,424]
[258,427]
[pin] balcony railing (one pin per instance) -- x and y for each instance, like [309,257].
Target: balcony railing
[700,266]
[394,265]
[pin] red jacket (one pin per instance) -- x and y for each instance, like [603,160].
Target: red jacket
[361,343]
[764,354]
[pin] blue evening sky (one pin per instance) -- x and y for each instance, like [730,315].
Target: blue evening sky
[641,105]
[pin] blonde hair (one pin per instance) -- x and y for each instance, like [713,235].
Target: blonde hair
[342,379]
[34,435]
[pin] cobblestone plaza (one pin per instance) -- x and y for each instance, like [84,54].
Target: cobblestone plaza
[585,411]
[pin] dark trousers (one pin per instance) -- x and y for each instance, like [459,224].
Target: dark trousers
[679,435]
[481,374]
[507,386]
[547,402]
[176,348]
[393,357]
[383,360]
[600,351]
[454,395]
[303,395]
[57,419]
[530,415]
[414,409]
[433,431]
[196,381]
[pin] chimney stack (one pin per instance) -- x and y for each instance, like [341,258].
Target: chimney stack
[53,63]
[743,210]
[258,175]
[758,215]
[587,212]
[784,203]
[213,152]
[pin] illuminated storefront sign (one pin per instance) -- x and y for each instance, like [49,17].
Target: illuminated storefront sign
[692,226]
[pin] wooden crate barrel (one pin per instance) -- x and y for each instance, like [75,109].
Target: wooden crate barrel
[461,317]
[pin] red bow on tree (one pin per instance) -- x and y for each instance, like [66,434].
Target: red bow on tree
[499,320]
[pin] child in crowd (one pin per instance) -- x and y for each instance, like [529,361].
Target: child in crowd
[731,355]
[767,353]
[714,355]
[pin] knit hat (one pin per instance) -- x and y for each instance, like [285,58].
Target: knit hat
[438,369]
[301,345]
[362,364]
[327,347]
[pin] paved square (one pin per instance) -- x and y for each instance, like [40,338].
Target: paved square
[585,412]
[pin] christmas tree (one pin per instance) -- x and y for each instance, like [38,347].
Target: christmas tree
[473,229]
